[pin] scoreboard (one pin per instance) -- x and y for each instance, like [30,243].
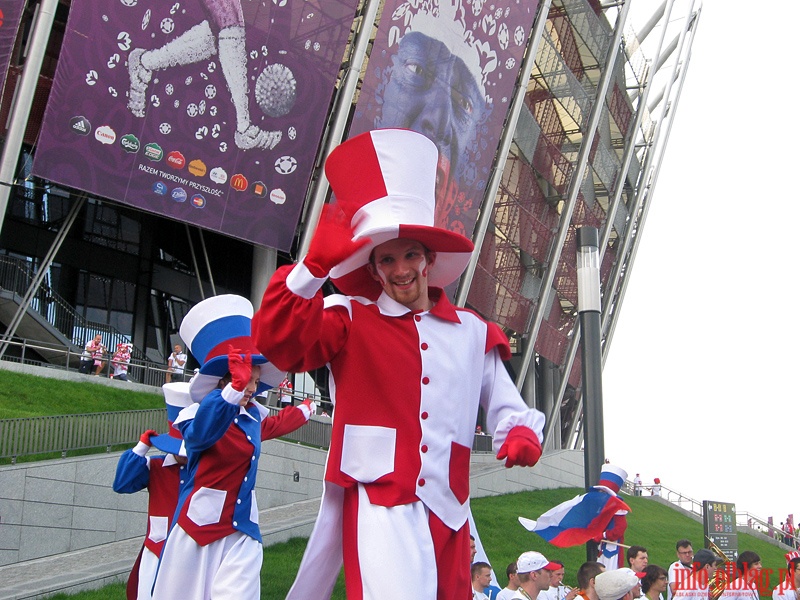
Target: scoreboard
[719,526]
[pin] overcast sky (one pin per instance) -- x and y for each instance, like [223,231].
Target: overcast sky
[698,386]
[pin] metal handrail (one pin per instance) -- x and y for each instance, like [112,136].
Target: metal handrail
[743,518]
[746,519]
[33,436]
[65,433]
[16,276]
[141,371]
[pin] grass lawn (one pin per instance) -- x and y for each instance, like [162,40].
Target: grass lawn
[23,395]
[650,524]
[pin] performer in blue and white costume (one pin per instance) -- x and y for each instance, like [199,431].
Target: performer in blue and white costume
[214,548]
[161,476]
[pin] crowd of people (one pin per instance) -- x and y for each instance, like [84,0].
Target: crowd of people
[96,356]
[639,488]
[701,575]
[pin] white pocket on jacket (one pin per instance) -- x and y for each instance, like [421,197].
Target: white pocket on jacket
[205,507]
[368,452]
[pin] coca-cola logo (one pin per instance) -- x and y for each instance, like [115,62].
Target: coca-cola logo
[176,160]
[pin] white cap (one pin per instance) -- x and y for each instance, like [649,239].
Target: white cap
[613,585]
[534,561]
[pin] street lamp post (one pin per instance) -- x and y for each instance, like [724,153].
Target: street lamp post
[591,359]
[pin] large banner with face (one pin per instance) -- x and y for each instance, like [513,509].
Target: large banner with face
[10,12]
[205,111]
[447,69]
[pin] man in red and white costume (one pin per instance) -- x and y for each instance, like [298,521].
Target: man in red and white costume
[789,587]
[408,372]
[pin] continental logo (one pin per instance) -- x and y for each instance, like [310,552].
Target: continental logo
[130,143]
[239,182]
[197,168]
[153,151]
[80,125]
[176,160]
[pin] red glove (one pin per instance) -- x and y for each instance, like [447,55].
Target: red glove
[332,242]
[241,369]
[145,439]
[522,448]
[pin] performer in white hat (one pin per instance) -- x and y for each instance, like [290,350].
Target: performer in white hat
[408,372]
[214,548]
[161,476]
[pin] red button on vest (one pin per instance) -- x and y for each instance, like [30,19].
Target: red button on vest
[424,448]
[424,346]
[417,318]
[424,416]
[425,380]
[421,482]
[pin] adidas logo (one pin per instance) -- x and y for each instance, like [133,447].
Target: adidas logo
[80,125]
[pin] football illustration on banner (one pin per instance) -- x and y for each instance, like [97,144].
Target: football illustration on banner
[276,90]
[157,101]
[198,44]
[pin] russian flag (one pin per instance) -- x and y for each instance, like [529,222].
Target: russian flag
[579,520]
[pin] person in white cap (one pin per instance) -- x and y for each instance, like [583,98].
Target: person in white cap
[534,572]
[160,475]
[618,584]
[408,373]
[214,549]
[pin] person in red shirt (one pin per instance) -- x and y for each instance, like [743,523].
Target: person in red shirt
[397,477]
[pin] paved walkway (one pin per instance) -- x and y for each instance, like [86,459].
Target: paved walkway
[98,566]
[101,565]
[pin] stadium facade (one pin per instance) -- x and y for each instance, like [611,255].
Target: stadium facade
[580,138]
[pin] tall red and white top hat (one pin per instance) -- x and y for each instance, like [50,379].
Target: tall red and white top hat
[385,183]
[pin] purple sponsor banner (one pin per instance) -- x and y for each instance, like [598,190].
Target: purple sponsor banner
[447,69]
[10,12]
[208,112]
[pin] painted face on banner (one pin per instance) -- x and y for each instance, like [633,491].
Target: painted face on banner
[432,92]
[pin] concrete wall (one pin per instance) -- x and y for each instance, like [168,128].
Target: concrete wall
[62,505]
[71,375]
[558,469]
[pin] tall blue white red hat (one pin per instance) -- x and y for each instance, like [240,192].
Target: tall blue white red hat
[385,183]
[209,329]
[611,479]
[176,396]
